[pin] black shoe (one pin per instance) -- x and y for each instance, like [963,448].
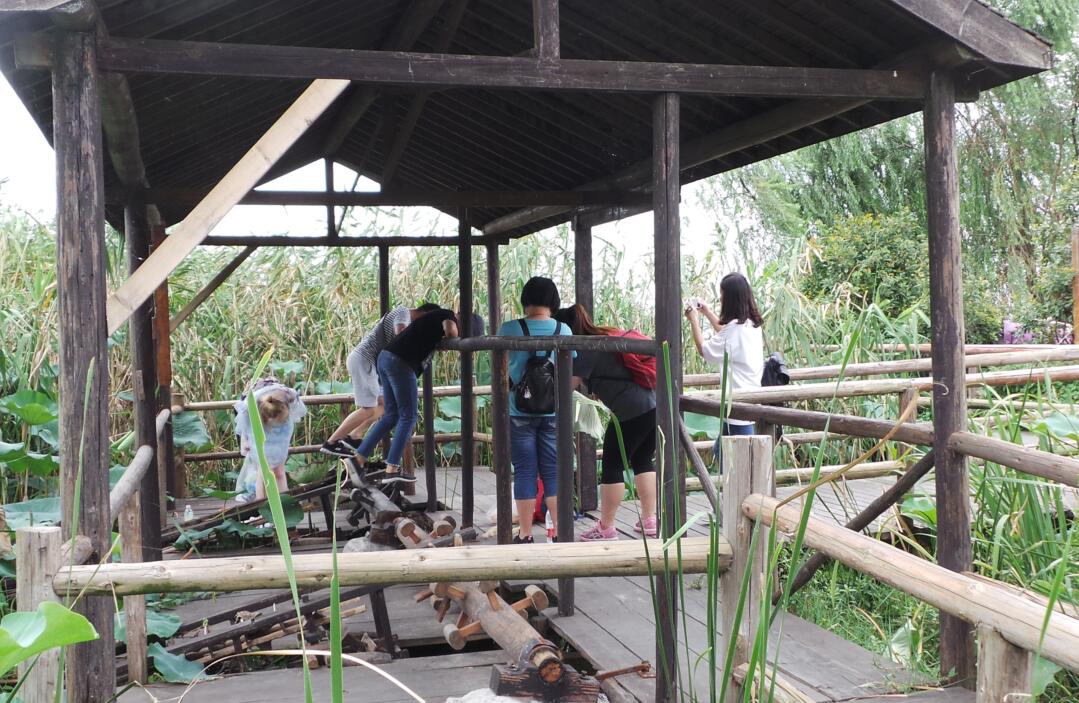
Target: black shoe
[338,448]
[350,443]
[518,539]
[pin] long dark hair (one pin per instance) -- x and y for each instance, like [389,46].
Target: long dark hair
[580,322]
[736,303]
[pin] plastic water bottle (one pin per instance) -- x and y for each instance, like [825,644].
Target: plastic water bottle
[550,526]
[189,513]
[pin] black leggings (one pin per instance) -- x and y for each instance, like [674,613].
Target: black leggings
[639,439]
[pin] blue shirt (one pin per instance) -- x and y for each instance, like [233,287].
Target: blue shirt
[518,359]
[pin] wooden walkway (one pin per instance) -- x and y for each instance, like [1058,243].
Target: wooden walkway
[613,627]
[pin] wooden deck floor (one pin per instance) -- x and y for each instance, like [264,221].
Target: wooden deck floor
[613,627]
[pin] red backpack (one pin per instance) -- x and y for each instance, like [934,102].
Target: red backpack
[641,366]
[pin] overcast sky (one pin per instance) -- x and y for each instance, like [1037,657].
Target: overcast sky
[27,183]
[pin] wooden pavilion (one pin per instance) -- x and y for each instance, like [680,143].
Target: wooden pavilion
[512,116]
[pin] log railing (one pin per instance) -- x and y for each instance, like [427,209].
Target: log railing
[1023,626]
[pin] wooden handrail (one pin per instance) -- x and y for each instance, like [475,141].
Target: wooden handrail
[162,421]
[1025,459]
[804,474]
[128,484]
[472,563]
[911,433]
[975,600]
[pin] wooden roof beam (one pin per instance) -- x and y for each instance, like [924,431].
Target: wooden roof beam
[340,241]
[545,30]
[396,150]
[982,30]
[494,72]
[409,198]
[413,22]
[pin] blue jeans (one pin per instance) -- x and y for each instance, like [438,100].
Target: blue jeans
[533,449]
[399,408]
[729,430]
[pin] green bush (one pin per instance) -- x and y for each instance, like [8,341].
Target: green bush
[875,257]
[884,259]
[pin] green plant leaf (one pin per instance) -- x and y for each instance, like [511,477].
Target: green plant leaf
[921,507]
[286,368]
[30,406]
[329,387]
[1059,425]
[243,529]
[189,432]
[36,464]
[703,426]
[159,625]
[36,511]
[447,426]
[291,508]
[174,668]
[10,451]
[449,407]
[220,495]
[1041,675]
[23,634]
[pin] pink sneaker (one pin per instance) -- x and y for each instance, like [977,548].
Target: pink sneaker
[650,526]
[597,533]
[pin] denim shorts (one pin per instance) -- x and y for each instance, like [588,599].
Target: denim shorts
[533,449]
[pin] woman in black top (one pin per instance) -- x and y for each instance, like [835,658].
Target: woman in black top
[403,359]
[633,406]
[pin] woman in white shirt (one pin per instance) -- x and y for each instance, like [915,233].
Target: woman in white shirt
[737,333]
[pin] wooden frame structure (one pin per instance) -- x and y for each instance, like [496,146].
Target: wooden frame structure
[624,122]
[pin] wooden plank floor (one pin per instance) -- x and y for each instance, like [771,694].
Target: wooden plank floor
[613,627]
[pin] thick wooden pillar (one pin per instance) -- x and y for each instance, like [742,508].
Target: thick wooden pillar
[468,407]
[500,419]
[949,397]
[564,459]
[170,474]
[586,444]
[144,378]
[671,476]
[84,369]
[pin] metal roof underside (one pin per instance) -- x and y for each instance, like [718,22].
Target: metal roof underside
[193,129]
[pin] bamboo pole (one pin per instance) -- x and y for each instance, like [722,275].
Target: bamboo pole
[1026,459]
[440,438]
[472,563]
[976,601]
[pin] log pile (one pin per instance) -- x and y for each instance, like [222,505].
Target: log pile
[535,669]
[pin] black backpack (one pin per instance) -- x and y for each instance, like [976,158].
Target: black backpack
[775,371]
[536,392]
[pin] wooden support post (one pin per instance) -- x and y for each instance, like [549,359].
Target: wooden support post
[144,381]
[949,398]
[748,468]
[586,444]
[665,199]
[383,281]
[545,29]
[500,419]
[134,606]
[84,368]
[468,412]
[331,215]
[37,552]
[166,454]
[1075,284]
[210,287]
[429,439]
[1003,669]
[564,442]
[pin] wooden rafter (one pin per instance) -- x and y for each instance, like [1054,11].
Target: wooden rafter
[229,190]
[504,72]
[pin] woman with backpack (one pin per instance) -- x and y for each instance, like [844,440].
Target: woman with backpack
[626,384]
[533,446]
[737,335]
